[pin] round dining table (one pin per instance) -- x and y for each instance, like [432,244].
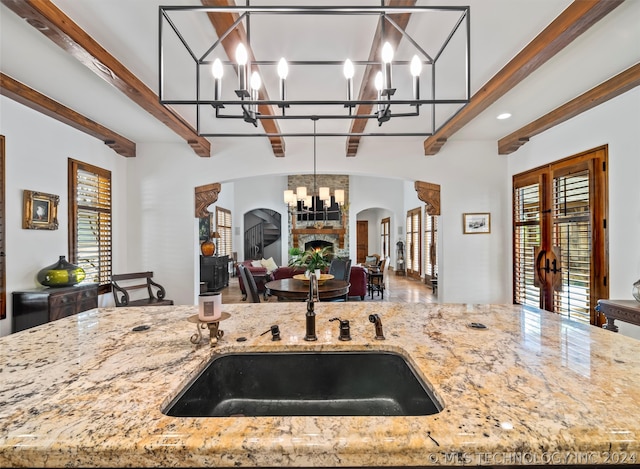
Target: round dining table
[294,289]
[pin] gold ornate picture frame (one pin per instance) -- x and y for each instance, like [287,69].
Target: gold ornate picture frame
[476,223]
[40,211]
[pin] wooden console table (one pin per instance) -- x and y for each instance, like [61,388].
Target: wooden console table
[39,306]
[624,310]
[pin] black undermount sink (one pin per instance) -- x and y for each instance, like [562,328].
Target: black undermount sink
[305,383]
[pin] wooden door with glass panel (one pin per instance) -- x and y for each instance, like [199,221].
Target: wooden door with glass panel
[560,246]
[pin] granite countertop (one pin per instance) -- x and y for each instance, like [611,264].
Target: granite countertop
[531,388]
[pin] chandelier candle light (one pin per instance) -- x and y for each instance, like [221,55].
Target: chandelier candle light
[324,193]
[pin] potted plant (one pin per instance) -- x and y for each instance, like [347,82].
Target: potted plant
[314,259]
[294,256]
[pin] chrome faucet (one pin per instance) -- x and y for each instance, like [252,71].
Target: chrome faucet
[311,315]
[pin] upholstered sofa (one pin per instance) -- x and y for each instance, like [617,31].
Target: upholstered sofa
[358,281]
[286,272]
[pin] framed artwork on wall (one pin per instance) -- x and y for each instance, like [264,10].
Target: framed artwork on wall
[40,211]
[476,223]
[204,228]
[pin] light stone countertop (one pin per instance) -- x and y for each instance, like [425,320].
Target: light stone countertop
[530,389]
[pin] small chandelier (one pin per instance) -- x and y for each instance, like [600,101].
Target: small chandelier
[307,197]
[382,100]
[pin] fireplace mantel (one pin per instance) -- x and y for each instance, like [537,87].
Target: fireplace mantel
[340,232]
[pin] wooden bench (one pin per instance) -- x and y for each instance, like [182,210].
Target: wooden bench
[121,292]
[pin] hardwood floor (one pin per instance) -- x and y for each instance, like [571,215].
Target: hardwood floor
[398,289]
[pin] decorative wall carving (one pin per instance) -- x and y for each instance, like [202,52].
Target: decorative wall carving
[205,196]
[430,194]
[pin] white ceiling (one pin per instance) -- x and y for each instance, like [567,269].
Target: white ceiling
[499,30]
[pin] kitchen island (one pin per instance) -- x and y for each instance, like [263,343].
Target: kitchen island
[529,389]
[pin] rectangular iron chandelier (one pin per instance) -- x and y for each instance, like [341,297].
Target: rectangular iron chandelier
[210,80]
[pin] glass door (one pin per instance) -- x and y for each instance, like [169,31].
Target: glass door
[560,244]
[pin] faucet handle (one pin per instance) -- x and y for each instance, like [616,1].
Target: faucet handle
[345,330]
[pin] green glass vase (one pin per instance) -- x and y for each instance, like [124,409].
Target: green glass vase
[61,274]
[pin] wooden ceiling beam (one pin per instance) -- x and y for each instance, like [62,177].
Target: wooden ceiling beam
[31,98]
[54,24]
[222,21]
[611,88]
[571,23]
[368,91]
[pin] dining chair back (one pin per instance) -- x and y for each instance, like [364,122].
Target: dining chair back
[340,269]
[249,283]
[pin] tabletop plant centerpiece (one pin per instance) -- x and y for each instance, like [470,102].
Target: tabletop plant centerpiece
[314,260]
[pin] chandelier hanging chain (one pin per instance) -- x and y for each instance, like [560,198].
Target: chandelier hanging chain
[248,95]
[315,185]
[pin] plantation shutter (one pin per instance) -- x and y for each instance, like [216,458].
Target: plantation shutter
[527,237]
[572,233]
[430,243]
[413,242]
[91,247]
[223,227]
[385,226]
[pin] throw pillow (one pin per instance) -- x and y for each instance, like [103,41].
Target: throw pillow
[269,264]
[256,264]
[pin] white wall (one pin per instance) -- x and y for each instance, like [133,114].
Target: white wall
[473,268]
[37,150]
[155,226]
[615,123]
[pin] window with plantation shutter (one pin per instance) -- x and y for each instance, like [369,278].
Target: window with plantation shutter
[385,228]
[430,244]
[223,227]
[413,249]
[90,222]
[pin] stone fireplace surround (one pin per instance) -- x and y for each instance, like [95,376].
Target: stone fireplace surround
[303,232]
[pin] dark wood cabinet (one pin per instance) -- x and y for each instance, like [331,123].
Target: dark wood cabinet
[39,306]
[214,271]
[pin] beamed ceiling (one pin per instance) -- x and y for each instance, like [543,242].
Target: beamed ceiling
[529,57]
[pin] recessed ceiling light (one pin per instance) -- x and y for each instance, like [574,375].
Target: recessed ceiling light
[504,115]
